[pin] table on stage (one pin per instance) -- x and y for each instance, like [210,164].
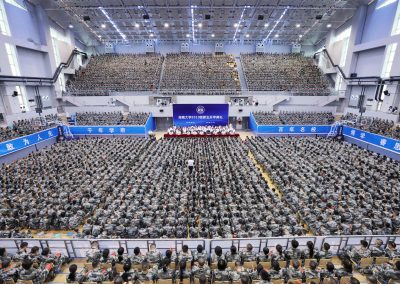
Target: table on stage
[199,135]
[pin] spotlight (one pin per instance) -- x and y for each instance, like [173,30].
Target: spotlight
[276,35]
[328,26]
[297,25]
[266,25]
[300,36]
[166,25]
[247,35]
[103,26]
[151,35]
[70,26]
[187,35]
[212,35]
[137,25]
[200,25]
[236,25]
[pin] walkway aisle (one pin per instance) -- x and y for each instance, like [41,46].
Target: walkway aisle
[277,190]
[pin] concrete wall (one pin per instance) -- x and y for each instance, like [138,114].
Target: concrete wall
[234,49]
[30,35]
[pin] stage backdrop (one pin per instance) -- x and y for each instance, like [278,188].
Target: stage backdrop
[200,114]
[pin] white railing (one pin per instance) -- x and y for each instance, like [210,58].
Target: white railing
[78,247]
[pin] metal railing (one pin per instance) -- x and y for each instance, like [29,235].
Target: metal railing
[77,247]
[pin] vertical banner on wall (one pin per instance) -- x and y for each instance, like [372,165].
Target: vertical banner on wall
[200,114]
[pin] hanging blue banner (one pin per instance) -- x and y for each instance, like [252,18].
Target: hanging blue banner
[293,129]
[108,130]
[17,144]
[383,142]
[200,114]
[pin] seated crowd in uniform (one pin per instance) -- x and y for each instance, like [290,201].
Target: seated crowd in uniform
[117,72]
[337,187]
[25,127]
[373,124]
[294,118]
[292,265]
[203,71]
[111,118]
[284,72]
[140,188]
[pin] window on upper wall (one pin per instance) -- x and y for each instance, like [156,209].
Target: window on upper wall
[383,3]
[12,59]
[396,23]
[18,4]
[389,57]
[4,27]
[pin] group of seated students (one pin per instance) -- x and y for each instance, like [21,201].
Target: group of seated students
[292,265]
[118,72]
[373,124]
[111,118]
[284,72]
[337,187]
[30,264]
[203,71]
[202,130]
[24,127]
[294,118]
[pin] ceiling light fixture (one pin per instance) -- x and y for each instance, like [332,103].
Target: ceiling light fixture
[300,36]
[70,26]
[212,35]
[200,25]
[151,35]
[166,25]
[276,24]
[103,26]
[266,25]
[276,35]
[137,25]
[297,25]
[187,35]
[235,25]
[112,22]
[192,13]
[240,21]
[247,35]
[328,26]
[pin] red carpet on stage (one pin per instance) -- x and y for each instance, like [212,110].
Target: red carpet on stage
[199,135]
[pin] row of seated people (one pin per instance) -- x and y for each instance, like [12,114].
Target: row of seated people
[284,72]
[118,72]
[373,124]
[24,127]
[111,118]
[294,118]
[202,130]
[337,187]
[200,71]
[292,264]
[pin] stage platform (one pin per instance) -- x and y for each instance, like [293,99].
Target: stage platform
[199,135]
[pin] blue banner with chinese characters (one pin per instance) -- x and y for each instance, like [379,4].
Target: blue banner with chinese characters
[383,142]
[293,129]
[20,143]
[200,114]
[108,130]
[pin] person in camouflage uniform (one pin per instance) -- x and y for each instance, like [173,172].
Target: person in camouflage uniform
[37,276]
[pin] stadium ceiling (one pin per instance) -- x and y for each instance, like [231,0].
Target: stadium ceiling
[241,21]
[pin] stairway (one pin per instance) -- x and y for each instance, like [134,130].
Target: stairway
[161,74]
[242,76]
